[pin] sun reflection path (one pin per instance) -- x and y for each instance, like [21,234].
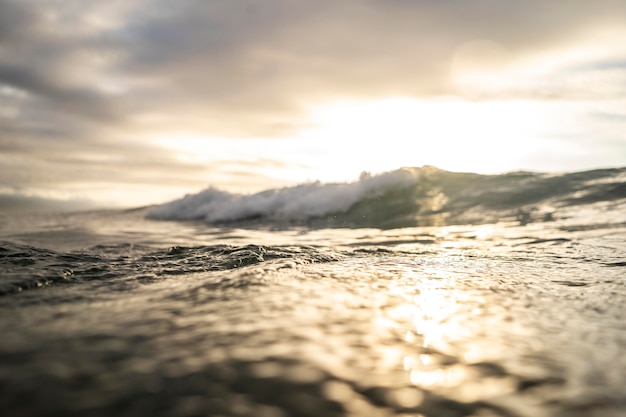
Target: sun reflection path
[453,337]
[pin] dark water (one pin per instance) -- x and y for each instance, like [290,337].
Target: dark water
[494,298]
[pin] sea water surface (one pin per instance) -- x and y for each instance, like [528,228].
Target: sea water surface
[417,292]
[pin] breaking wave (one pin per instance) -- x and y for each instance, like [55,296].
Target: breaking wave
[403,198]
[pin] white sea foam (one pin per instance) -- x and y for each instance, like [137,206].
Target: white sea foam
[291,203]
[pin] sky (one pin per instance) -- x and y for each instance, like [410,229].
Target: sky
[133,102]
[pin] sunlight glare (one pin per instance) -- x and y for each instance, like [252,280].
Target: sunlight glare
[340,140]
[450,134]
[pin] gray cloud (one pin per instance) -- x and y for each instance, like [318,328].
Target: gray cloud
[15,203]
[16,22]
[80,102]
[203,62]
[232,57]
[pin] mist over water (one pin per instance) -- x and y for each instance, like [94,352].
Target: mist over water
[415,292]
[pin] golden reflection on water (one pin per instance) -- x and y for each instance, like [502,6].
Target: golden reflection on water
[434,317]
[445,327]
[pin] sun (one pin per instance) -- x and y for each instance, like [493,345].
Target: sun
[457,135]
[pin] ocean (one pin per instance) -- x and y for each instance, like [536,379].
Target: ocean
[417,292]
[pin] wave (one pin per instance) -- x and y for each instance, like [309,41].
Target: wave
[291,204]
[403,198]
[125,265]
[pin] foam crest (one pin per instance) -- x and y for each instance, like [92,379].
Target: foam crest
[295,203]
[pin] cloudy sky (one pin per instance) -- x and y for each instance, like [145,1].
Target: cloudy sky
[140,101]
